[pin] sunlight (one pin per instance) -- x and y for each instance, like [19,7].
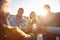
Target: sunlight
[43,12]
[33,5]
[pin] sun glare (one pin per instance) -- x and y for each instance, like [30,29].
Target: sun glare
[43,12]
[33,5]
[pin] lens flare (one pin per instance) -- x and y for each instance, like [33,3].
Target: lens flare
[43,12]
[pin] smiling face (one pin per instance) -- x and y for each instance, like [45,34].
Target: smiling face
[20,12]
[32,15]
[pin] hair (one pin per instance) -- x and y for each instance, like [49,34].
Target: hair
[46,6]
[20,9]
[32,13]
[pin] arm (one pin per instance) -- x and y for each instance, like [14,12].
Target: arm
[17,33]
[51,30]
[54,30]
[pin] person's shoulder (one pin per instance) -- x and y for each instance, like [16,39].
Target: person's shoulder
[52,14]
[23,18]
[12,16]
[57,13]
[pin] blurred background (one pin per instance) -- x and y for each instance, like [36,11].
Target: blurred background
[33,5]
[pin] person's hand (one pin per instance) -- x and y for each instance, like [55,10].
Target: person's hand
[27,35]
[31,36]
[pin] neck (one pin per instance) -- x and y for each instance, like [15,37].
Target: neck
[19,17]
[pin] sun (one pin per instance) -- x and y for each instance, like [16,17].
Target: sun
[43,12]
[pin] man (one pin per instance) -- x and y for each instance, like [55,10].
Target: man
[48,21]
[18,19]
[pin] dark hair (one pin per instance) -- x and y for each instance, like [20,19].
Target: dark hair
[21,9]
[46,6]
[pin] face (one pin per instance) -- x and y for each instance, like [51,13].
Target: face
[20,12]
[47,8]
[32,15]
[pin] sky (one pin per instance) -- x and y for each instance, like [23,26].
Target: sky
[33,5]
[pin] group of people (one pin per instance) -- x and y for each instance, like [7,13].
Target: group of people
[8,32]
[18,27]
[26,24]
[21,22]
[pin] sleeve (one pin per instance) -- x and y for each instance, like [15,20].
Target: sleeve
[54,30]
[11,21]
